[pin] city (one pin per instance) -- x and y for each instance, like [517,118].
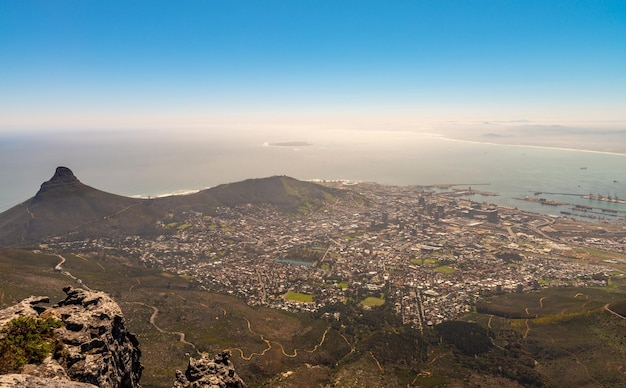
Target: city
[429,251]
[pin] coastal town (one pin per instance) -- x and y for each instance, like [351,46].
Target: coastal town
[429,252]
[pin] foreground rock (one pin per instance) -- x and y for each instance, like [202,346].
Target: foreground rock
[30,381]
[210,373]
[98,349]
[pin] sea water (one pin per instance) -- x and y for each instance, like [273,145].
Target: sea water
[143,163]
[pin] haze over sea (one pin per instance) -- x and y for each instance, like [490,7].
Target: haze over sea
[139,163]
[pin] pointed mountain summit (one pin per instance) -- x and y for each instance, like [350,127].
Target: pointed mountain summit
[63,178]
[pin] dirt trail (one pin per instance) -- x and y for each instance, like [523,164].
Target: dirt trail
[267,342]
[527,329]
[282,348]
[527,313]
[606,307]
[380,367]
[59,268]
[181,335]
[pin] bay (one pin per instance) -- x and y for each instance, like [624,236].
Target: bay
[153,163]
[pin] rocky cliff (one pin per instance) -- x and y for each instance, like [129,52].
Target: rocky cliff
[95,346]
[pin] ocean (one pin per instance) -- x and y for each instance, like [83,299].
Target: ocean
[144,163]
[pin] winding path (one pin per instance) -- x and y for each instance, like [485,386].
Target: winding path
[295,351]
[269,344]
[527,313]
[527,328]
[59,268]
[181,335]
[606,307]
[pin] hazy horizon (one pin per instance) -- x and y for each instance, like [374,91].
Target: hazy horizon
[213,66]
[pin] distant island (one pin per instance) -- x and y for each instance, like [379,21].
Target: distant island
[290,144]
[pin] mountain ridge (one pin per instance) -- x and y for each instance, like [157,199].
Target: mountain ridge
[64,205]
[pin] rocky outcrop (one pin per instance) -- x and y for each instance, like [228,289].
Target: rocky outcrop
[29,381]
[210,373]
[99,351]
[63,177]
[97,347]
[28,308]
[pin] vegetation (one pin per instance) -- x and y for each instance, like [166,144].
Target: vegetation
[371,346]
[27,340]
[304,254]
[343,285]
[445,269]
[372,301]
[509,257]
[469,338]
[619,307]
[299,297]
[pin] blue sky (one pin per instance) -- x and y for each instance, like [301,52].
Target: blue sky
[350,64]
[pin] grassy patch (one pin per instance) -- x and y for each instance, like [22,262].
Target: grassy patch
[424,261]
[299,297]
[445,269]
[430,261]
[373,301]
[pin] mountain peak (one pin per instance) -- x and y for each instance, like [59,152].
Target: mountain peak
[63,174]
[63,177]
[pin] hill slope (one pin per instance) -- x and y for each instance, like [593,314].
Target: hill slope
[285,193]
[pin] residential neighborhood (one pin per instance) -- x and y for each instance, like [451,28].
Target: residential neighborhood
[430,252]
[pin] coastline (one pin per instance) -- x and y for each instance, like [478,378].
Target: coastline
[548,147]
